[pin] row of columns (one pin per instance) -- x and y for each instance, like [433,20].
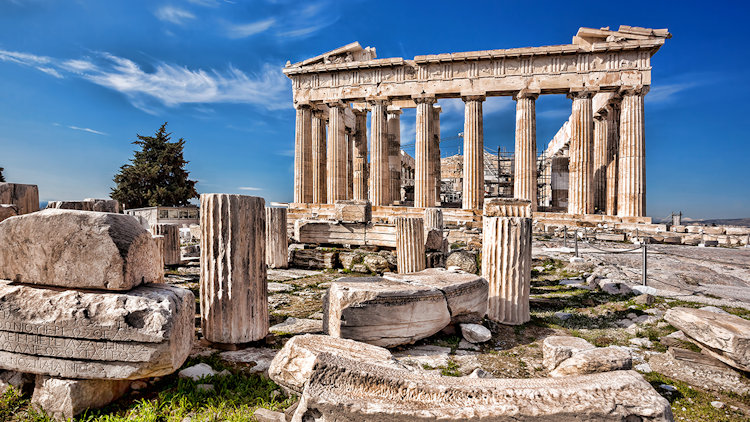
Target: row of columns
[606,164]
[607,157]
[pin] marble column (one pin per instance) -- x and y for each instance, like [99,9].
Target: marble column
[277,240]
[613,115]
[410,252]
[394,152]
[360,155]
[233,289]
[336,156]
[303,186]
[524,180]
[349,164]
[380,173]
[171,233]
[435,153]
[473,186]
[581,164]
[424,183]
[319,152]
[631,157]
[601,132]
[506,265]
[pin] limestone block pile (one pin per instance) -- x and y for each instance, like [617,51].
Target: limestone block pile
[18,199]
[345,380]
[402,308]
[723,336]
[88,204]
[79,307]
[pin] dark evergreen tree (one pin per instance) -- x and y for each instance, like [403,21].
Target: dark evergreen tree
[156,175]
[2,178]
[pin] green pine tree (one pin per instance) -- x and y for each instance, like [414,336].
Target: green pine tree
[156,175]
[2,178]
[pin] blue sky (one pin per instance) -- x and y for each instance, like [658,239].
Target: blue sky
[79,79]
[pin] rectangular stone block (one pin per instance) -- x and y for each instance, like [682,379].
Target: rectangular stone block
[64,398]
[142,333]
[353,211]
[24,197]
[612,237]
[78,249]
[507,207]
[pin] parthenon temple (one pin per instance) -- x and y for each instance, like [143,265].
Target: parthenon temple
[599,153]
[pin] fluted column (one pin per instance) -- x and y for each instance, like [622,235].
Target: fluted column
[410,255]
[473,187]
[319,152]
[581,164]
[303,187]
[424,183]
[506,265]
[336,157]
[435,153]
[631,157]
[524,180]
[171,233]
[277,240]
[233,289]
[394,152]
[159,239]
[613,126]
[380,173]
[349,164]
[360,154]
[601,132]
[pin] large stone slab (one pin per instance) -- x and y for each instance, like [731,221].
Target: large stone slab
[64,398]
[557,349]
[293,365]
[353,211]
[726,337]
[699,370]
[466,293]
[78,249]
[145,332]
[24,197]
[383,312]
[601,359]
[345,389]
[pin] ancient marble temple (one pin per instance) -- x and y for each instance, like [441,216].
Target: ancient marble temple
[605,73]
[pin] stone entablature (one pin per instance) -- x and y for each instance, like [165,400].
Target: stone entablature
[613,59]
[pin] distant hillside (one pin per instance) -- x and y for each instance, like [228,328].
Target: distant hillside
[744,222]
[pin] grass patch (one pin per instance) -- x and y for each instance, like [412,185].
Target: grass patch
[450,369]
[689,404]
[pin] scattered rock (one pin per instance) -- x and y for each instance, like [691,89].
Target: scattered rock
[465,345]
[65,398]
[699,370]
[465,260]
[265,415]
[717,404]
[18,380]
[138,385]
[377,264]
[576,260]
[643,367]
[562,316]
[480,373]
[714,309]
[274,287]
[556,349]
[196,372]
[590,361]
[667,387]
[475,333]
[258,360]
[641,342]
[614,287]
[644,299]
[297,326]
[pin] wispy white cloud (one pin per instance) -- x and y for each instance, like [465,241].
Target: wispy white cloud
[168,84]
[205,3]
[286,153]
[250,188]
[174,15]
[245,30]
[555,113]
[297,24]
[85,129]
[664,93]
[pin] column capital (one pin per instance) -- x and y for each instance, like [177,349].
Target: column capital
[359,111]
[384,101]
[437,109]
[302,105]
[473,96]
[582,92]
[527,93]
[394,110]
[335,103]
[635,90]
[424,98]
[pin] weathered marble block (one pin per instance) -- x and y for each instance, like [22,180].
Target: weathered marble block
[7,211]
[145,332]
[345,389]
[353,211]
[292,366]
[78,249]
[507,207]
[725,337]
[465,293]
[383,312]
[24,197]
[65,398]
[277,241]
[88,204]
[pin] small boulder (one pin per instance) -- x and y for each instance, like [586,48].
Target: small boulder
[65,398]
[463,259]
[265,415]
[556,349]
[376,263]
[475,333]
[590,361]
[197,372]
